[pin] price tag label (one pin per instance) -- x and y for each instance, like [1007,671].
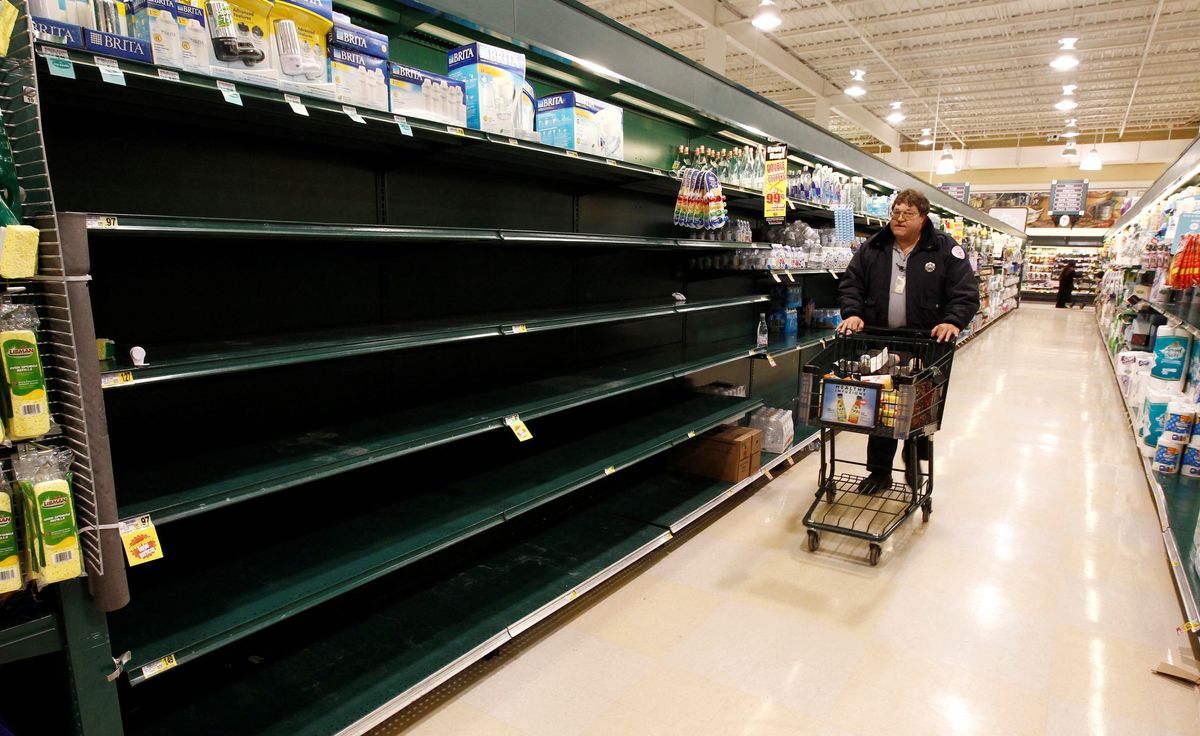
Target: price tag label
[767,474]
[405,128]
[229,92]
[159,667]
[109,380]
[775,276]
[790,461]
[518,428]
[833,273]
[610,162]
[59,62]
[573,154]
[296,104]
[169,75]
[102,222]
[352,113]
[790,276]
[610,470]
[110,70]
[452,130]
[691,435]
[514,142]
[771,360]
[140,540]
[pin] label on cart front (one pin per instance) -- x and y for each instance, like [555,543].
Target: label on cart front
[850,404]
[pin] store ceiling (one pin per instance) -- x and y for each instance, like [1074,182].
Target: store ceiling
[988,58]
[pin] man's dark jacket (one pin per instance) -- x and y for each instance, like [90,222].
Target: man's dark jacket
[946,291]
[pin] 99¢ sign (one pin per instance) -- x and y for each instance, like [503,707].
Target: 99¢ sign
[775,184]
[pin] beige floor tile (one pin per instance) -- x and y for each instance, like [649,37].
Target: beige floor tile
[902,694]
[461,719]
[678,610]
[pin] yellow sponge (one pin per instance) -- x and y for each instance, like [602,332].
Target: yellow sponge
[25,384]
[10,561]
[18,251]
[58,541]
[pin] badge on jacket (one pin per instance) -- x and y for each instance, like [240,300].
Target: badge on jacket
[930,267]
[959,253]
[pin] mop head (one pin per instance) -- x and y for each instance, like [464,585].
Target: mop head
[18,251]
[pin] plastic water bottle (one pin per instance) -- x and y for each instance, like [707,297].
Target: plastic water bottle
[762,330]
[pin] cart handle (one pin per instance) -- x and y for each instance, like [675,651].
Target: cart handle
[911,332]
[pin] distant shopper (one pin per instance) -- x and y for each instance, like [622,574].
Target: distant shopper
[1066,285]
[909,274]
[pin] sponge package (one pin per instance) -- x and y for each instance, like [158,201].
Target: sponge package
[52,552]
[18,251]
[27,411]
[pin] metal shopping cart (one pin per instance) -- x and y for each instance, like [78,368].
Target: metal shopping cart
[887,383]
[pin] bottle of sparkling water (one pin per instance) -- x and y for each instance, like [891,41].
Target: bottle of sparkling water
[762,330]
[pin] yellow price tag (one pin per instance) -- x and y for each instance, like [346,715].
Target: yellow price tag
[768,475]
[691,435]
[771,360]
[790,461]
[102,222]
[140,539]
[519,329]
[116,379]
[610,470]
[518,427]
[159,667]
[455,131]
[573,154]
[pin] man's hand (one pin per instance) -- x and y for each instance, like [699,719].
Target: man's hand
[945,332]
[851,325]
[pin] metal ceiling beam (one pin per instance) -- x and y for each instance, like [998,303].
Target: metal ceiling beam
[1141,66]
[953,35]
[779,60]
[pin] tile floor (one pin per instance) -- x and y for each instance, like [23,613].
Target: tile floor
[1034,602]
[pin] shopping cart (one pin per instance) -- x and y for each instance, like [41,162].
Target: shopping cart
[886,383]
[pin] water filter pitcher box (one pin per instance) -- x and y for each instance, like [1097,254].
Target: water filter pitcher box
[195,47]
[581,123]
[358,64]
[112,32]
[430,96]
[493,78]
[301,30]
[527,113]
[156,20]
[60,22]
[240,32]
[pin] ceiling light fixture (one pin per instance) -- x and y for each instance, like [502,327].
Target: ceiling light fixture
[896,116]
[926,137]
[858,84]
[1066,59]
[1092,161]
[1070,151]
[766,18]
[1067,101]
[946,162]
[1072,129]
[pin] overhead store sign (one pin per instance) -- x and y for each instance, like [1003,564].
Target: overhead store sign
[775,185]
[1068,197]
[959,190]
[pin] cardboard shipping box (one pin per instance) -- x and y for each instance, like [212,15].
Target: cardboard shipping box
[729,453]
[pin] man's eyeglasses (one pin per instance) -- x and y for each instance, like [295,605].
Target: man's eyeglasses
[904,215]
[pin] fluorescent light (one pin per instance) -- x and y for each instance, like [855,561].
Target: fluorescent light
[595,68]
[1067,101]
[1066,59]
[896,116]
[1092,161]
[926,137]
[1072,129]
[858,83]
[766,18]
[946,162]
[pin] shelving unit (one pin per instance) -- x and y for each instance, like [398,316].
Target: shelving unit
[332,337]
[1044,263]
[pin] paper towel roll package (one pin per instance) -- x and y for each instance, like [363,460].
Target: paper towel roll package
[1154,416]
[1167,456]
[1190,464]
[1180,417]
[1171,348]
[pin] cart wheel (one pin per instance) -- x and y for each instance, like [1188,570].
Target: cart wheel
[814,541]
[873,554]
[926,510]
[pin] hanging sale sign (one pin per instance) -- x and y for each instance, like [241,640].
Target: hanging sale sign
[1068,197]
[960,191]
[775,184]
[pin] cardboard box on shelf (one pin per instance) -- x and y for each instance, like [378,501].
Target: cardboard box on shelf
[728,453]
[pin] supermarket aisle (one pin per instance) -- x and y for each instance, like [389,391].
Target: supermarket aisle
[1034,602]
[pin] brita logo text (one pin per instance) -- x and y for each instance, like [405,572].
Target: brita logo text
[462,55]
[190,12]
[117,43]
[65,34]
[1173,352]
[407,73]
[350,57]
[53,503]
[20,352]
[503,58]
[547,102]
[350,38]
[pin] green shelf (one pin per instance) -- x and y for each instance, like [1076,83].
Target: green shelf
[27,639]
[176,362]
[329,669]
[103,225]
[228,475]
[208,604]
